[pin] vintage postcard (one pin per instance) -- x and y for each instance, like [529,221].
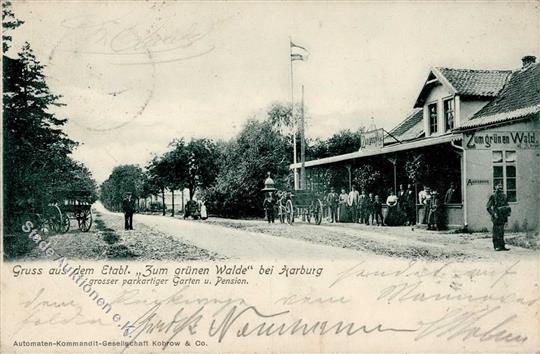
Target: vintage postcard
[257,176]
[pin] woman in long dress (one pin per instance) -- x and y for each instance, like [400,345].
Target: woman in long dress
[343,212]
[392,217]
[204,214]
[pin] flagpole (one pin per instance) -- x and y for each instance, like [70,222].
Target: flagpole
[295,170]
[302,146]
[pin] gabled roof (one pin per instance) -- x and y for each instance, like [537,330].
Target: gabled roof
[465,82]
[519,98]
[479,83]
[410,128]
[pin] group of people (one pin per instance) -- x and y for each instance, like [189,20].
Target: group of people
[433,211]
[362,207]
[354,207]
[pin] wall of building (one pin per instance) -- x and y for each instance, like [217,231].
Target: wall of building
[479,173]
[437,94]
[469,107]
[178,202]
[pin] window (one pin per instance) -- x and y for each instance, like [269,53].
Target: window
[504,172]
[449,114]
[432,111]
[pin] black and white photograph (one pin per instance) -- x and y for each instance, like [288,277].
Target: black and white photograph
[258,176]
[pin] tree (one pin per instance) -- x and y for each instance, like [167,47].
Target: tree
[157,177]
[258,149]
[344,142]
[202,164]
[175,168]
[280,116]
[36,152]
[9,23]
[35,147]
[123,179]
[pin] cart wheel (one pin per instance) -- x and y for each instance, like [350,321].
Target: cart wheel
[65,224]
[53,219]
[289,212]
[318,212]
[85,220]
[281,214]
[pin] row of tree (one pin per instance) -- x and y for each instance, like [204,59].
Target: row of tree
[36,156]
[227,174]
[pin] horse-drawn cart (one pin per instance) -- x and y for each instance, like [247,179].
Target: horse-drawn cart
[304,205]
[291,205]
[75,205]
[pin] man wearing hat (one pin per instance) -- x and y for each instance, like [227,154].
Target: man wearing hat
[497,207]
[332,199]
[434,207]
[423,199]
[354,197]
[128,206]
[268,205]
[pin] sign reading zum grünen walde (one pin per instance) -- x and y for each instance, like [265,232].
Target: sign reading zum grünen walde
[372,139]
[501,139]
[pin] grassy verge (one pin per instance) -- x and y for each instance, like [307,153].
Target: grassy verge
[115,249]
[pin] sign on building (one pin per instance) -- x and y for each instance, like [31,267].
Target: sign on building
[372,139]
[502,139]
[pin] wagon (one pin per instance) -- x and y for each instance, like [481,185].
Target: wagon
[48,220]
[75,205]
[306,205]
[192,210]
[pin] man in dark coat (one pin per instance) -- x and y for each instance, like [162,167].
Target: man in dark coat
[268,205]
[497,207]
[128,206]
[450,196]
[410,205]
[401,193]
[363,206]
[434,207]
[332,200]
[370,210]
[377,211]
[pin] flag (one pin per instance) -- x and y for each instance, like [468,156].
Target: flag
[297,57]
[297,46]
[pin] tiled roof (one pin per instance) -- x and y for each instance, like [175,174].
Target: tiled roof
[410,128]
[500,117]
[481,83]
[520,97]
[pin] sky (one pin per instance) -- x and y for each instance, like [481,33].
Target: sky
[135,75]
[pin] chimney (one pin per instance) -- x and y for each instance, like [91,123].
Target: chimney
[528,60]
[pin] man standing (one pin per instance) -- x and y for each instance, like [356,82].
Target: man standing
[332,199]
[370,210]
[353,203]
[434,207]
[450,196]
[128,206]
[363,204]
[497,207]
[423,199]
[268,205]
[401,194]
[410,205]
[377,212]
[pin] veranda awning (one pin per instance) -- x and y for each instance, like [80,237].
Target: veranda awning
[384,150]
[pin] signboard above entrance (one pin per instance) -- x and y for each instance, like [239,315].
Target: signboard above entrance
[502,139]
[373,139]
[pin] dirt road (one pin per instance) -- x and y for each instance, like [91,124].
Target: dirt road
[256,239]
[237,244]
[159,237]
